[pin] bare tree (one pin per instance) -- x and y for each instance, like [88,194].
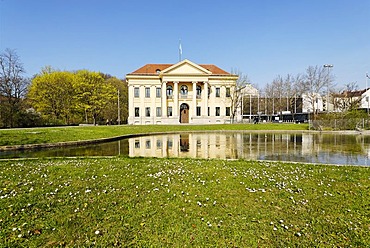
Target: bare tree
[13,86]
[349,99]
[316,81]
[236,95]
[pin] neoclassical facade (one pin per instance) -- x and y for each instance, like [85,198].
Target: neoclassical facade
[180,93]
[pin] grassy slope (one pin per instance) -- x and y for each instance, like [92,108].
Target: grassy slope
[181,203]
[63,134]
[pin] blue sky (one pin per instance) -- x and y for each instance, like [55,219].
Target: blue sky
[260,38]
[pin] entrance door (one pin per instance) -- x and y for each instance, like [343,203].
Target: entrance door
[184,113]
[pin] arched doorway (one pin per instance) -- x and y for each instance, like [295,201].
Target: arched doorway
[184,113]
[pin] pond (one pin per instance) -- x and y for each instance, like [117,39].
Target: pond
[341,149]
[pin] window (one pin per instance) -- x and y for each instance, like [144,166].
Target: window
[198,111]
[217,111]
[228,94]
[184,90]
[137,144]
[159,144]
[209,91]
[169,111]
[136,92]
[147,111]
[158,112]
[209,111]
[137,112]
[199,91]
[218,92]
[158,92]
[147,144]
[169,90]
[227,111]
[147,92]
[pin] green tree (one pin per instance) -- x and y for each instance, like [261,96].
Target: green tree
[114,106]
[93,94]
[52,93]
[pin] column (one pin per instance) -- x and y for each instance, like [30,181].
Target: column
[164,99]
[153,107]
[131,107]
[176,99]
[205,98]
[142,103]
[194,110]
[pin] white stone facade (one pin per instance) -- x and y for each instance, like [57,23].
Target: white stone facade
[180,93]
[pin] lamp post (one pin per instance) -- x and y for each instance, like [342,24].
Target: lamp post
[367,97]
[328,81]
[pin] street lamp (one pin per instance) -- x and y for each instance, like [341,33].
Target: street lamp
[367,97]
[327,93]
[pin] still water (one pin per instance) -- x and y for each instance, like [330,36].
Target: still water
[342,149]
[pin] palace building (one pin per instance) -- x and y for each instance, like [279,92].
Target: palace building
[184,92]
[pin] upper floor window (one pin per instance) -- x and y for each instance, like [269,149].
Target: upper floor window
[158,92]
[147,92]
[199,91]
[184,90]
[218,92]
[136,92]
[169,90]
[228,93]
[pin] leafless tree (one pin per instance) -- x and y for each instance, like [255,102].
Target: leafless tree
[13,86]
[349,99]
[316,81]
[236,95]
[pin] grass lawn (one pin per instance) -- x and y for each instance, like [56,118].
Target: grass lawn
[146,202]
[64,134]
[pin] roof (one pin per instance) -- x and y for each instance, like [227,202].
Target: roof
[152,69]
[354,93]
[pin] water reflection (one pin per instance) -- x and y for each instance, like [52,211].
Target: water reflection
[298,147]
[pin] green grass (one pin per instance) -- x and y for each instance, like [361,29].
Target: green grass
[64,134]
[149,202]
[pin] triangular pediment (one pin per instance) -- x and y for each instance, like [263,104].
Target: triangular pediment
[186,67]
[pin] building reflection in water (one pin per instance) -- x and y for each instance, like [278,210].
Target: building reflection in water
[299,147]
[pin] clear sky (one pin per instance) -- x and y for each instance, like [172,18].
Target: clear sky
[260,38]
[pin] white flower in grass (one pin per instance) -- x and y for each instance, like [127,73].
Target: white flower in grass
[97,232]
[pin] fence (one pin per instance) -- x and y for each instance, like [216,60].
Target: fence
[340,124]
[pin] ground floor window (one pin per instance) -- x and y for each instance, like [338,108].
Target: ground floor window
[217,111]
[198,111]
[158,112]
[227,111]
[169,111]
[137,112]
[209,111]
[147,111]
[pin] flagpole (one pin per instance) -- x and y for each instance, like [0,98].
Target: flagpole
[180,50]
